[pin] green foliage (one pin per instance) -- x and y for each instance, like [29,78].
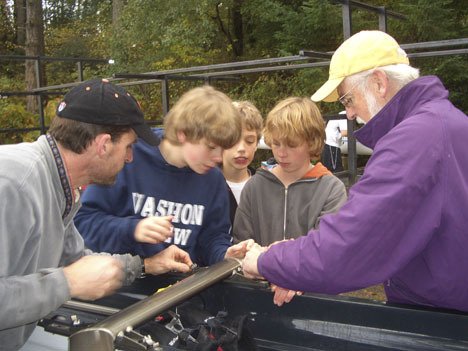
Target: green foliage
[418,27]
[453,73]
[15,115]
[157,35]
[167,34]
[65,12]
[6,31]
[81,33]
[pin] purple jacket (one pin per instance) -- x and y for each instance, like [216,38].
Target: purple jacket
[406,220]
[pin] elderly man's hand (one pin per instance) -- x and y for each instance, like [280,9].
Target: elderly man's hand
[283,295]
[170,259]
[249,264]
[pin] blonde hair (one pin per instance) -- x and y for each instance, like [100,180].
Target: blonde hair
[296,119]
[204,112]
[251,117]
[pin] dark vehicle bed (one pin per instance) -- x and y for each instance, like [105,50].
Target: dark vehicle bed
[309,322]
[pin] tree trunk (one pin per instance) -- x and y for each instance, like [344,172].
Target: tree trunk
[34,47]
[237,26]
[4,27]
[235,33]
[20,22]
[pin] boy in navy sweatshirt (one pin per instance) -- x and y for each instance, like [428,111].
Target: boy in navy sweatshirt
[173,193]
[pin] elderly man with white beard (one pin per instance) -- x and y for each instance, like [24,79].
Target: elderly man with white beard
[404,224]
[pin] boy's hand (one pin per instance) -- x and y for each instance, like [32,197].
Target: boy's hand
[154,230]
[239,250]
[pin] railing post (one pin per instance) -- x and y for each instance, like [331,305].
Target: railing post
[79,65]
[382,19]
[165,95]
[40,101]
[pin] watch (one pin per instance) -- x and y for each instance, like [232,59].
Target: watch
[143,271]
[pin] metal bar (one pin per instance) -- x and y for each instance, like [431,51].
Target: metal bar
[40,101]
[80,70]
[352,153]
[269,69]
[5,94]
[382,19]
[41,114]
[431,44]
[439,53]
[324,63]
[165,96]
[371,8]
[334,116]
[89,307]
[37,68]
[347,20]
[102,335]
[234,64]
[139,82]
[22,130]
[435,44]
[50,58]
[159,77]
[316,54]
[120,77]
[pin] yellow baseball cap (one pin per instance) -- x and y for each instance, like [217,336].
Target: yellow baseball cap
[363,51]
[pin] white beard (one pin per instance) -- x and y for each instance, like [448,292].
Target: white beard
[372,104]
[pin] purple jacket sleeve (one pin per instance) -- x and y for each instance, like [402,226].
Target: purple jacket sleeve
[389,218]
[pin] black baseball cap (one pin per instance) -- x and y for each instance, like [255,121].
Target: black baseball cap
[98,101]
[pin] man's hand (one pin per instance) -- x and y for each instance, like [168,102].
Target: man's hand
[283,295]
[154,230]
[170,259]
[249,264]
[92,277]
[239,250]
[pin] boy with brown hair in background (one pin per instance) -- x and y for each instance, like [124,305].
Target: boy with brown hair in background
[237,159]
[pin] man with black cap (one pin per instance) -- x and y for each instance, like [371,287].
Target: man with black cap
[43,262]
[405,222]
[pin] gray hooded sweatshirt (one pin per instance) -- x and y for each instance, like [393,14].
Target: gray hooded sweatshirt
[269,212]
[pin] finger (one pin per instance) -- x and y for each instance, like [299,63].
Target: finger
[159,223]
[249,244]
[180,267]
[289,296]
[150,238]
[166,230]
[179,255]
[185,259]
[278,298]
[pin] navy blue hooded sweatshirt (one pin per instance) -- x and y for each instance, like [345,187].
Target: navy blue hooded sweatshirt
[149,186]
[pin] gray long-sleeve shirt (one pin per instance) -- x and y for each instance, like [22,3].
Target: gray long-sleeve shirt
[35,241]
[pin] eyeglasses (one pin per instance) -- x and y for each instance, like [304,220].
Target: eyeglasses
[347,102]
